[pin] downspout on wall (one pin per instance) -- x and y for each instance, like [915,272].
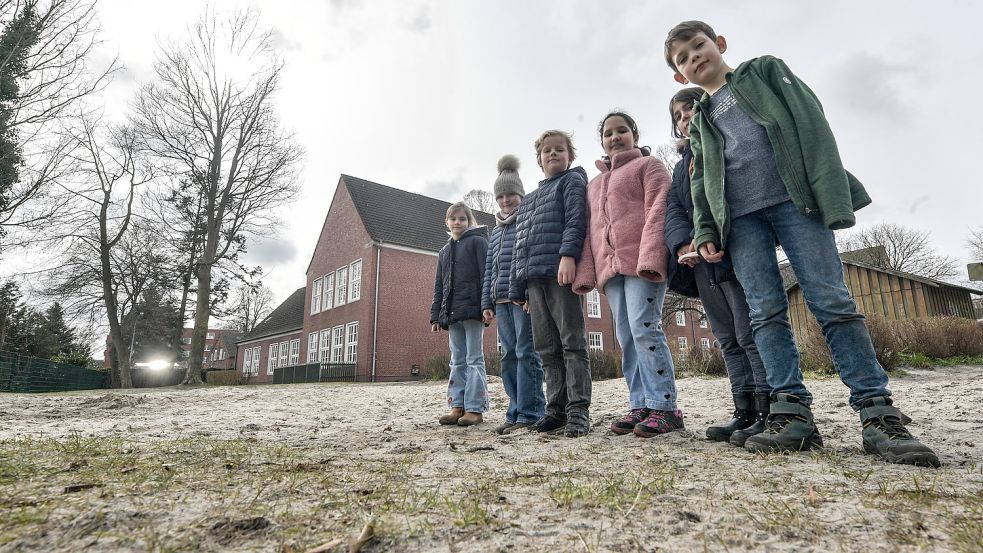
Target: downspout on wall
[375,308]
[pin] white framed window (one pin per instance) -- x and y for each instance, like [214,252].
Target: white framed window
[312,347]
[680,318]
[328,302]
[255,368]
[272,358]
[325,345]
[186,340]
[284,353]
[683,343]
[703,316]
[337,343]
[594,304]
[341,286]
[221,354]
[294,352]
[210,336]
[705,343]
[316,296]
[351,343]
[595,341]
[247,361]
[209,347]
[355,281]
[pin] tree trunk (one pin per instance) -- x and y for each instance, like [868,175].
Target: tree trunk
[202,313]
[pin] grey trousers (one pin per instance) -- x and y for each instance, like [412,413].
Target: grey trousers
[560,337]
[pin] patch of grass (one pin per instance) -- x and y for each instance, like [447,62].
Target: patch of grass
[616,494]
[965,529]
[787,518]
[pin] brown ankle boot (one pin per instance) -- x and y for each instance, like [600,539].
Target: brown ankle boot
[452,417]
[469,419]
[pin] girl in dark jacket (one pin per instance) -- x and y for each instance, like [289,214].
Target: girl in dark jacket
[722,295]
[456,308]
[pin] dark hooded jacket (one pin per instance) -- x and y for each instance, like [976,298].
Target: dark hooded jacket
[460,273]
[498,263]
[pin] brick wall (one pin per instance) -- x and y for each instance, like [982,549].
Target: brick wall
[263,374]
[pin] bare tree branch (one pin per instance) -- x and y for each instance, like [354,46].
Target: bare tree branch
[897,247]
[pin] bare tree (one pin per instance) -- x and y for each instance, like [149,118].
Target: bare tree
[208,116]
[975,244]
[250,304]
[668,154]
[481,200]
[47,75]
[897,247]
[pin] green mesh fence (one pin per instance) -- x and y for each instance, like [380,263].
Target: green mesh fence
[22,373]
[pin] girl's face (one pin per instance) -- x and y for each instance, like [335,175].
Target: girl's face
[616,135]
[554,158]
[457,223]
[681,114]
[508,202]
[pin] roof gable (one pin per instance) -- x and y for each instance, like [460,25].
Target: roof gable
[287,317]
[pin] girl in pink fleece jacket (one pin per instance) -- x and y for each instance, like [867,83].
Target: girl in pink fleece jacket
[625,257]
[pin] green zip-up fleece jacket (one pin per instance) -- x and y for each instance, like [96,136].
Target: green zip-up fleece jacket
[805,151]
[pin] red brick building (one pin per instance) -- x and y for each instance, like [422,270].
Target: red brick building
[219,348]
[369,289]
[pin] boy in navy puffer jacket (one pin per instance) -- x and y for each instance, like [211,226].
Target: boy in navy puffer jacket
[550,229]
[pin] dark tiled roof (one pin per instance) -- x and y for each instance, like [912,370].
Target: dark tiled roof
[229,339]
[403,218]
[288,316]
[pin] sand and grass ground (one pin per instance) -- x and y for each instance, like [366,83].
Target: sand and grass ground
[289,468]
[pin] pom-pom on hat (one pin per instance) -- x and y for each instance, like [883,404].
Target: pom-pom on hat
[508,181]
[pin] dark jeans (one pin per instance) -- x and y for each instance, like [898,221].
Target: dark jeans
[811,250]
[730,320]
[560,337]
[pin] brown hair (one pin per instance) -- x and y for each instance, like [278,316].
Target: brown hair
[628,120]
[461,206]
[567,137]
[685,31]
[687,96]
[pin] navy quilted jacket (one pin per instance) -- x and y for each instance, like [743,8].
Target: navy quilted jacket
[460,272]
[498,263]
[551,223]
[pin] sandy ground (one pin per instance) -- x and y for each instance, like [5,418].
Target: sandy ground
[286,468]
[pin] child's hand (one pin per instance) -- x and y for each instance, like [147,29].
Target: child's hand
[525,307]
[488,316]
[567,271]
[435,327]
[685,250]
[709,252]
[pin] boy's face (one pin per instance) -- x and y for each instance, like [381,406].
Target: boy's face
[699,60]
[554,158]
[457,223]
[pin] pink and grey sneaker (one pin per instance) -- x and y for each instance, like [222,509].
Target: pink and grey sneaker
[659,422]
[627,423]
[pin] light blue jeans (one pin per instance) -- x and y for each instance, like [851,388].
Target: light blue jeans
[636,305]
[467,386]
[522,369]
[811,249]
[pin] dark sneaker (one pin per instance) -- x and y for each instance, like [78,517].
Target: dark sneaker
[885,435]
[517,427]
[762,407]
[743,418]
[789,427]
[659,422]
[549,423]
[627,423]
[503,428]
[578,423]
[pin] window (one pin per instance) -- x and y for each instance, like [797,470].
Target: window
[186,340]
[283,354]
[271,360]
[341,286]
[294,352]
[316,296]
[337,343]
[209,347]
[680,318]
[355,281]
[255,368]
[351,343]
[247,361]
[683,343]
[594,304]
[703,316]
[595,341]
[325,345]
[328,302]
[705,343]
[210,336]
[221,354]
[312,347]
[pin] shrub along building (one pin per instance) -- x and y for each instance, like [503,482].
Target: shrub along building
[369,290]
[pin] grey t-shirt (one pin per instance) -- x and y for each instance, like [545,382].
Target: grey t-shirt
[751,180]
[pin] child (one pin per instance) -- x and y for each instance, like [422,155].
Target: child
[625,257]
[762,130]
[522,370]
[549,236]
[457,308]
[722,295]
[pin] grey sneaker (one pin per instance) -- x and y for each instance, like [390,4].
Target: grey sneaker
[790,427]
[504,427]
[885,435]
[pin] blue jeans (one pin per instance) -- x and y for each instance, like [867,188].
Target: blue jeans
[636,305]
[467,386]
[522,370]
[811,249]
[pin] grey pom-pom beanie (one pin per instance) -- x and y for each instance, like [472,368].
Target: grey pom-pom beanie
[508,181]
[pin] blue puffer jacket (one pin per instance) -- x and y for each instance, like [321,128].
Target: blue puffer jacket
[460,272]
[498,263]
[551,223]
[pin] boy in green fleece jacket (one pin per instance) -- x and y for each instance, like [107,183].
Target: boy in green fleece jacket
[766,169]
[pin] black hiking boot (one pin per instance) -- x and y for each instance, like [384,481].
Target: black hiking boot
[762,407]
[548,424]
[789,427]
[885,435]
[578,423]
[743,418]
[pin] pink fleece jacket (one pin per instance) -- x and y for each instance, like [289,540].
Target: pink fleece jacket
[626,211]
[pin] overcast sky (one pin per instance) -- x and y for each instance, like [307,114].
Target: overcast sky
[426,95]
